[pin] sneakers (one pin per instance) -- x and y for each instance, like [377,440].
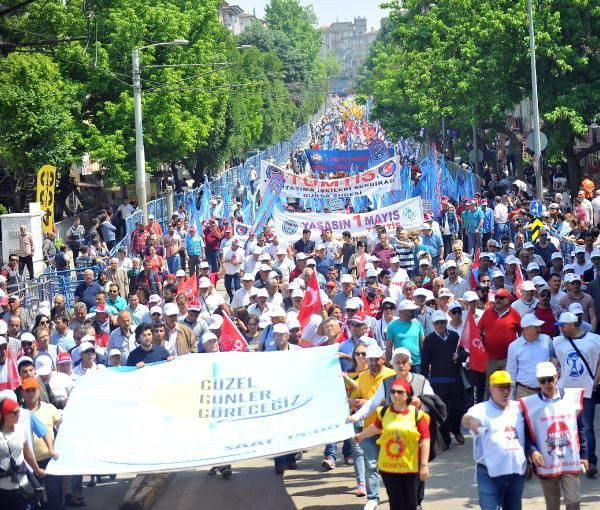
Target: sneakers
[213,471]
[592,472]
[349,461]
[360,491]
[371,504]
[460,439]
[226,471]
[328,464]
[279,469]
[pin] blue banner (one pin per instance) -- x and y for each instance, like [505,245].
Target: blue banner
[337,161]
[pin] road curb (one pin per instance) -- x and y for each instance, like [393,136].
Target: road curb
[144,491]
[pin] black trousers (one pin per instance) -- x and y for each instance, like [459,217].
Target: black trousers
[453,396]
[26,262]
[476,394]
[401,489]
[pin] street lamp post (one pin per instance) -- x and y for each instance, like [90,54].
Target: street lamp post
[537,156]
[140,158]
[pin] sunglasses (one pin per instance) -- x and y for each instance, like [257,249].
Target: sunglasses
[89,351]
[546,380]
[397,392]
[456,311]
[361,354]
[389,307]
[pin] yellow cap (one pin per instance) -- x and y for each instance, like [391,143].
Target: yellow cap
[500,377]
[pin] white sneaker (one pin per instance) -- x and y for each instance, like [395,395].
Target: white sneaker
[371,504]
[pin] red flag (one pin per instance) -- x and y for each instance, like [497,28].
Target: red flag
[472,280]
[518,282]
[9,374]
[470,341]
[311,302]
[231,338]
[189,287]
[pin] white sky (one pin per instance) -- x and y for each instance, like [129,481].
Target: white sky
[329,11]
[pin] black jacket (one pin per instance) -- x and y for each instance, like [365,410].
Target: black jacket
[437,353]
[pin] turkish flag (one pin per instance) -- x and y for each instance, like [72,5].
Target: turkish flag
[189,287]
[231,338]
[518,282]
[311,302]
[472,281]
[470,341]
[9,374]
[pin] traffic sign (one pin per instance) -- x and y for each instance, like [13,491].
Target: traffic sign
[536,208]
[531,141]
[535,229]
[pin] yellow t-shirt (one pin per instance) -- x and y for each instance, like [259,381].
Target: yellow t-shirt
[49,416]
[367,387]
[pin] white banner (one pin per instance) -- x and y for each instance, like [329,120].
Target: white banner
[382,178]
[202,410]
[407,214]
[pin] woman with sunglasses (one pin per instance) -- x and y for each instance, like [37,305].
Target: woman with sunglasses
[404,446]
[252,333]
[14,451]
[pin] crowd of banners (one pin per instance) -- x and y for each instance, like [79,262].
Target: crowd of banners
[282,401]
[382,178]
[271,199]
[407,214]
[330,161]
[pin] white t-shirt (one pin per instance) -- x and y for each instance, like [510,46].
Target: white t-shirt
[573,372]
[11,445]
[233,261]
[210,302]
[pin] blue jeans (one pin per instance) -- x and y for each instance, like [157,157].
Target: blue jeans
[370,450]
[173,264]
[331,449]
[232,283]
[589,409]
[212,257]
[474,242]
[500,229]
[499,492]
[359,458]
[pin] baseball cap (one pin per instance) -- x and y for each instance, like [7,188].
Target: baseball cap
[281,251]
[277,312]
[420,292]
[502,293]
[204,265]
[528,246]
[171,309]
[151,216]
[86,346]
[575,308]
[553,205]
[293,323]
[533,266]
[595,253]
[215,322]
[156,309]
[556,255]
[281,328]
[402,350]
[247,277]
[194,306]
[207,337]
[298,293]
[262,293]
[114,352]
[389,301]
[301,256]
[566,318]
[358,317]
[180,272]
[497,274]
[445,292]
[44,311]
[311,262]
[253,291]
[511,259]
[500,377]
[257,250]
[528,285]
[264,267]
[43,365]
[101,309]
[394,260]
[450,264]
[374,351]
[353,303]
[438,316]
[406,304]
[455,305]
[579,249]
[30,383]
[346,278]
[423,262]
[545,369]
[203,282]
[154,298]
[264,256]
[538,280]
[63,357]
[470,296]
[531,320]
[371,273]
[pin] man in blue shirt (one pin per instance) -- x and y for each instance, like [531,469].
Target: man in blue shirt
[324,262]
[146,351]
[473,226]
[86,291]
[488,222]
[193,249]
[435,244]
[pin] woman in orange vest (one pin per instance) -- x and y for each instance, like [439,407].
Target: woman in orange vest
[403,446]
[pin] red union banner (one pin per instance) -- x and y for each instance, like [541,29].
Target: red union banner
[382,178]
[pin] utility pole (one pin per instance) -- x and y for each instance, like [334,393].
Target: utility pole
[140,157]
[476,149]
[537,156]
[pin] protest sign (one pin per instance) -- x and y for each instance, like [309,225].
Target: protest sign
[203,410]
[407,214]
[379,179]
[337,161]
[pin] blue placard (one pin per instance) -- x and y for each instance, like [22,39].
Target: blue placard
[536,208]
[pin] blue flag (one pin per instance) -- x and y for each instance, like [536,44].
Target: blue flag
[226,200]
[268,203]
[204,211]
[193,215]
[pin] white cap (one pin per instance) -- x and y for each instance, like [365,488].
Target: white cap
[444,292]
[545,369]
[253,292]
[528,246]
[389,301]
[353,303]
[203,283]
[281,251]
[44,311]
[371,273]
[88,338]
[208,336]
[421,253]
[568,267]
[262,293]
[538,280]
[346,278]
[423,262]
[497,274]
[511,259]
[595,253]
[204,264]
[264,321]
[298,293]
[320,247]
[156,309]
[301,256]
[292,323]
[572,277]
[470,296]
[439,315]
[154,298]
[151,216]
[485,255]
[528,285]
[273,274]
[215,322]
[313,262]
[455,305]
[579,249]
[533,266]
[567,318]
[277,312]
[556,255]
[43,365]
[406,304]
[264,267]
[85,346]
[264,256]
[27,337]
[247,277]
[374,351]
[531,320]
[420,292]
[553,205]
[450,264]
[281,328]
[394,260]
[402,350]
[114,352]
[170,309]
[575,308]
[180,272]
